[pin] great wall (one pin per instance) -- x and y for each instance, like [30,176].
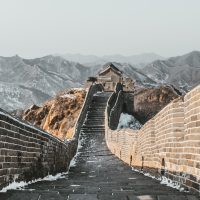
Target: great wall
[28,153]
[167,145]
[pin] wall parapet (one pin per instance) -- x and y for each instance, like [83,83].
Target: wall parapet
[168,144]
[115,106]
[27,152]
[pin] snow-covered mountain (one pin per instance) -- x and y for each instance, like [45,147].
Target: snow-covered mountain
[90,60]
[182,71]
[24,82]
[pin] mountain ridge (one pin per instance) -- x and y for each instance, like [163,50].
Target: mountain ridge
[24,82]
[181,71]
[93,59]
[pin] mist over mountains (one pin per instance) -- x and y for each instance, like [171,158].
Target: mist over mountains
[91,60]
[24,82]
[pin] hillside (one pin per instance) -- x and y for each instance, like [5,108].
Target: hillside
[182,71]
[25,82]
[59,114]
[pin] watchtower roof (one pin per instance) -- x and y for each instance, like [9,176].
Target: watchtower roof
[112,67]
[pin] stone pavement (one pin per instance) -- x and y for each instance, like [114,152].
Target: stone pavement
[98,174]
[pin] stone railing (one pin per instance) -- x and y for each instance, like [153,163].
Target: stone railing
[28,153]
[168,144]
[115,107]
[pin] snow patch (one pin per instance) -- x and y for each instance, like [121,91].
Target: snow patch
[20,185]
[128,121]
[163,180]
[70,96]
[75,185]
[168,182]
[72,162]
[78,89]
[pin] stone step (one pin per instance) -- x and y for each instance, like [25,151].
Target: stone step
[99,101]
[98,121]
[93,131]
[102,119]
[95,118]
[96,110]
[95,114]
[93,126]
[93,123]
[89,128]
[99,105]
[91,119]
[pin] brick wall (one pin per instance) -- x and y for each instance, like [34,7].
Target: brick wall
[168,144]
[27,153]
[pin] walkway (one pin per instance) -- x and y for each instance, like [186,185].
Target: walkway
[98,174]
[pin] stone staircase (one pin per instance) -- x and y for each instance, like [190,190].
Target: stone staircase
[95,119]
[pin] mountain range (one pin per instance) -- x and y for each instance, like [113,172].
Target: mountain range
[181,71]
[90,60]
[27,81]
[24,82]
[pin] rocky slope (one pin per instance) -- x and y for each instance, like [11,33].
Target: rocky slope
[57,115]
[147,102]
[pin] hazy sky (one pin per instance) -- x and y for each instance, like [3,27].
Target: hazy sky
[33,28]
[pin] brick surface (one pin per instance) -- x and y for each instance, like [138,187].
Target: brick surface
[169,142]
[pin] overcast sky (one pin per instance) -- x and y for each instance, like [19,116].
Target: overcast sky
[33,28]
